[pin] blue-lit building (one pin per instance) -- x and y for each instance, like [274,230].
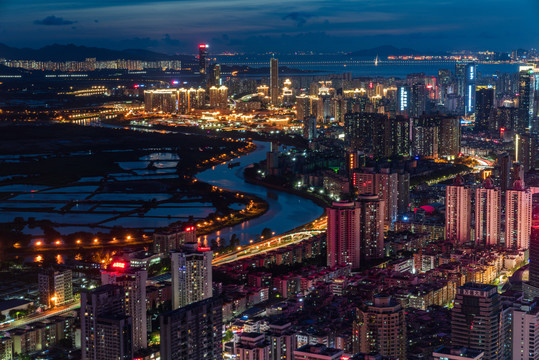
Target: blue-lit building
[469,96]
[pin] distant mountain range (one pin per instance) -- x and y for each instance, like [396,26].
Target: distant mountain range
[388,50]
[72,52]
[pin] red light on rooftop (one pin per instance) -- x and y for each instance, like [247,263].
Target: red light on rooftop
[204,249]
[119,265]
[202,46]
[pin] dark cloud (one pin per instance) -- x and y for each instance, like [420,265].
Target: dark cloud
[54,21]
[168,41]
[300,18]
[96,21]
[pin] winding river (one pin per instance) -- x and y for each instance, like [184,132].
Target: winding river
[286,211]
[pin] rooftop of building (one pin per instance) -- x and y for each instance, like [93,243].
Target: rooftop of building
[458,351]
[12,303]
[477,286]
[320,349]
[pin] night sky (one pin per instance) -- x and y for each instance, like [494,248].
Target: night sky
[272,25]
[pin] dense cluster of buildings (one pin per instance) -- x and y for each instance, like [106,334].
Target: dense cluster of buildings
[407,269]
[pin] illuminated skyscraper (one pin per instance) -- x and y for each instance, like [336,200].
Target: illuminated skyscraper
[526,88]
[274,81]
[343,234]
[203,57]
[133,282]
[469,98]
[488,209]
[518,216]
[458,211]
[191,275]
[460,77]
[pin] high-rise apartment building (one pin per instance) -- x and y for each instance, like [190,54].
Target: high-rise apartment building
[449,137]
[133,281]
[525,150]
[219,97]
[105,329]
[55,287]
[193,331]
[488,210]
[380,327]
[343,234]
[503,164]
[418,100]
[309,128]
[214,76]
[367,132]
[274,82]
[525,331]
[476,319]
[161,100]
[191,274]
[518,216]
[458,211]
[403,198]
[383,183]
[484,104]
[306,106]
[400,128]
[425,138]
[371,231]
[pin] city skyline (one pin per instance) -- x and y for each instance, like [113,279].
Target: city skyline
[177,26]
